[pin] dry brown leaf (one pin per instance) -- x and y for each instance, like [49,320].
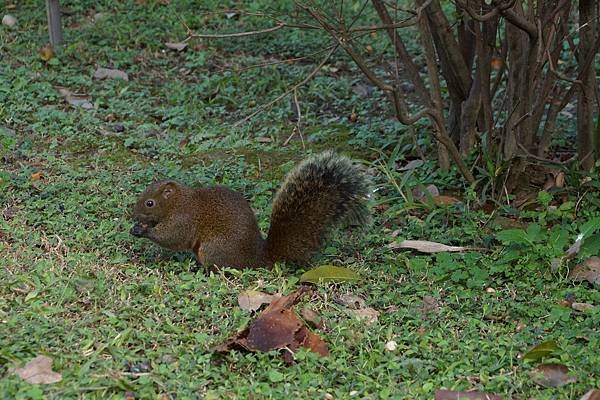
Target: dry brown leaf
[46,52]
[368,315]
[9,20]
[413,164]
[251,300]
[107,73]
[425,246]
[39,371]
[350,300]
[589,270]
[581,306]
[442,200]
[75,99]
[312,318]
[176,46]
[551,375]
[593,394]
[419,193]
[474,395]
[276,328]
[10,212]
[429,305]
[391,346]
[36,176]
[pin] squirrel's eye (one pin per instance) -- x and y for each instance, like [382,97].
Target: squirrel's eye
[149,203]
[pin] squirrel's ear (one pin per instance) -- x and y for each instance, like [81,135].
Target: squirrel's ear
[168,189]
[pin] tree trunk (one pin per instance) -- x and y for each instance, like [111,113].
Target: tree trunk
[585,100]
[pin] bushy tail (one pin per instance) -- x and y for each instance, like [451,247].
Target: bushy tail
[318,194]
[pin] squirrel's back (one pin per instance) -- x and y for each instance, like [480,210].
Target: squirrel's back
[320,193]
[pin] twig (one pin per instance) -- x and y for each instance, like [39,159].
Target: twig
[291,90]
[297,128]
[287,60]
[232,35]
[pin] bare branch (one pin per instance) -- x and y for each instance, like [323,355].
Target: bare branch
[233,35]
[289,91]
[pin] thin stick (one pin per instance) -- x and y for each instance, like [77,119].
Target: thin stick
[291,90]
[232,35]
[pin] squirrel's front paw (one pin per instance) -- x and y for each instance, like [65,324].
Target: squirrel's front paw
[139,230]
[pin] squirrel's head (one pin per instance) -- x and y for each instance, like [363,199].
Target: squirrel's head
[154,205]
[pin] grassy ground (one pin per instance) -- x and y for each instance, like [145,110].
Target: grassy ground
[121,317]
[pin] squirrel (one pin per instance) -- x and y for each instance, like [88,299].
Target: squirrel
[219,226]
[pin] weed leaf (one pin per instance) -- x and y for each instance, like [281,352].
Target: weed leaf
[329,273]
[541,350]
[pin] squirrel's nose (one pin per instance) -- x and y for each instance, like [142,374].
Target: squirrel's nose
[137,230]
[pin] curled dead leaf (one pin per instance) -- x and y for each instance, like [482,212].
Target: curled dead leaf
[581,307]
[9,20]
[425,246]
[589,270]
[276,328]
[368,315]
[473,395]
[429,305]
[76,99]
[391,346]
[593,394]
[107,73]
[39,371]
[176,46]
[350,300]
[252,300]
[552,375]
[313,318]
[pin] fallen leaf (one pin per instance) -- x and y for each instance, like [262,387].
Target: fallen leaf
[391,346]
[176,46]
[276,328]
[46,52]
[350,300]
[36,176]
[429,305]
[368,315]
[582,306]
[9,213]
[593,394]
[312,318]
[425,246]
[329,273]
[363,89]
[107,73]
[419,193]
[541,350]
[413,164]
[444,200]
[9,20]
[75,99]
[552,375]
[474,395]
[39,371]
[251,300]
[589,270]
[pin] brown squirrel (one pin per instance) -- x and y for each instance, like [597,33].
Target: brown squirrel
[218,225]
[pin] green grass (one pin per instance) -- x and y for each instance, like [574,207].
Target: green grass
[119,315]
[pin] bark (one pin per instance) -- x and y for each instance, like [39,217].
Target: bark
[585,99]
